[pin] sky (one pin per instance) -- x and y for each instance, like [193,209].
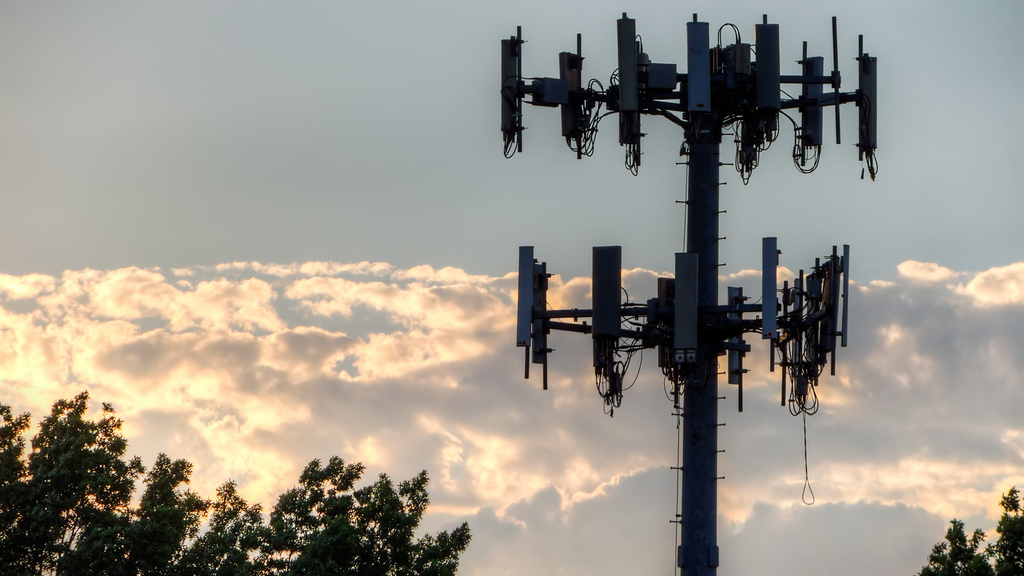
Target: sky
[272,232]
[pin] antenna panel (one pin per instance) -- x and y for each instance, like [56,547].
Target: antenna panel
[510,112]
[607,289]
[685,332]
[698,67]
[540,325]
[570,70]
[867,100]
[666,299]
[769,294]
[846,290]
[629,96]
[811,116]
[832,301]
[524,317]
[768,68]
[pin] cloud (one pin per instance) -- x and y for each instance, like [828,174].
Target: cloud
[844,539]
[925,271]
[998,286]
[307,351]
[625,531]
[216,349]
[131,293]
[251,370]
[27,286]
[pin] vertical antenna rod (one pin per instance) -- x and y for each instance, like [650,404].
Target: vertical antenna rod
[835,74]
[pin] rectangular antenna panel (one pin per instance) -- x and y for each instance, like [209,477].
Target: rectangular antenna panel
[835,267]
[607,289]
[509,85]
[524,317]
[868,103]
[768,69]
[666,298]
[698,67]
[629,97]
[769,296]
[540,325]
[811,116]
[685,330]
[570,70]
[846,291]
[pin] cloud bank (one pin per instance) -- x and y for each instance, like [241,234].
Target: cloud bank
[250,370]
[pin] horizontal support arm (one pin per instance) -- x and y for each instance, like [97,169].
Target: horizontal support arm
[737,346]
[794,79]
[570,327]
[827,99]
[727,309]
[578,313]
[573,313]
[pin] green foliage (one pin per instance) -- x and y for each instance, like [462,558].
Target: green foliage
[231,543]
[65,508]
[14,499]
[310,529]
[323,527]
[166,518]
[1008,551]
[963,556]
[79,490]
[958,555]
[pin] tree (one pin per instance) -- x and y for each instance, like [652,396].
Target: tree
[958,555]
[1008,551]
[231,543]
[387,519]
[323,527]
[13,491]
[79,490]
[65,508]
[310,527]
[167,517]
[963,556]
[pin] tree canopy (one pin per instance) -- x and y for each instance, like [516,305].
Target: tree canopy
[66,508]
[960,555]
[1008,551]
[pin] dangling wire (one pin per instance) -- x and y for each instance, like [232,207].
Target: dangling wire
[633,158]
[800,149]
[591,117]
[735,31]
[872,163]
[807,477]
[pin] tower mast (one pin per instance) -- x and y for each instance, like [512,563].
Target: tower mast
[724,87]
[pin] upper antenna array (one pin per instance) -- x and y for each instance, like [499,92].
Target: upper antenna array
[737,87]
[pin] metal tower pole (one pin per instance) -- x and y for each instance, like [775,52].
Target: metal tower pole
[698,553]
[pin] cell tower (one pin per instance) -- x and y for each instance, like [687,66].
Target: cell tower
[736,90]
